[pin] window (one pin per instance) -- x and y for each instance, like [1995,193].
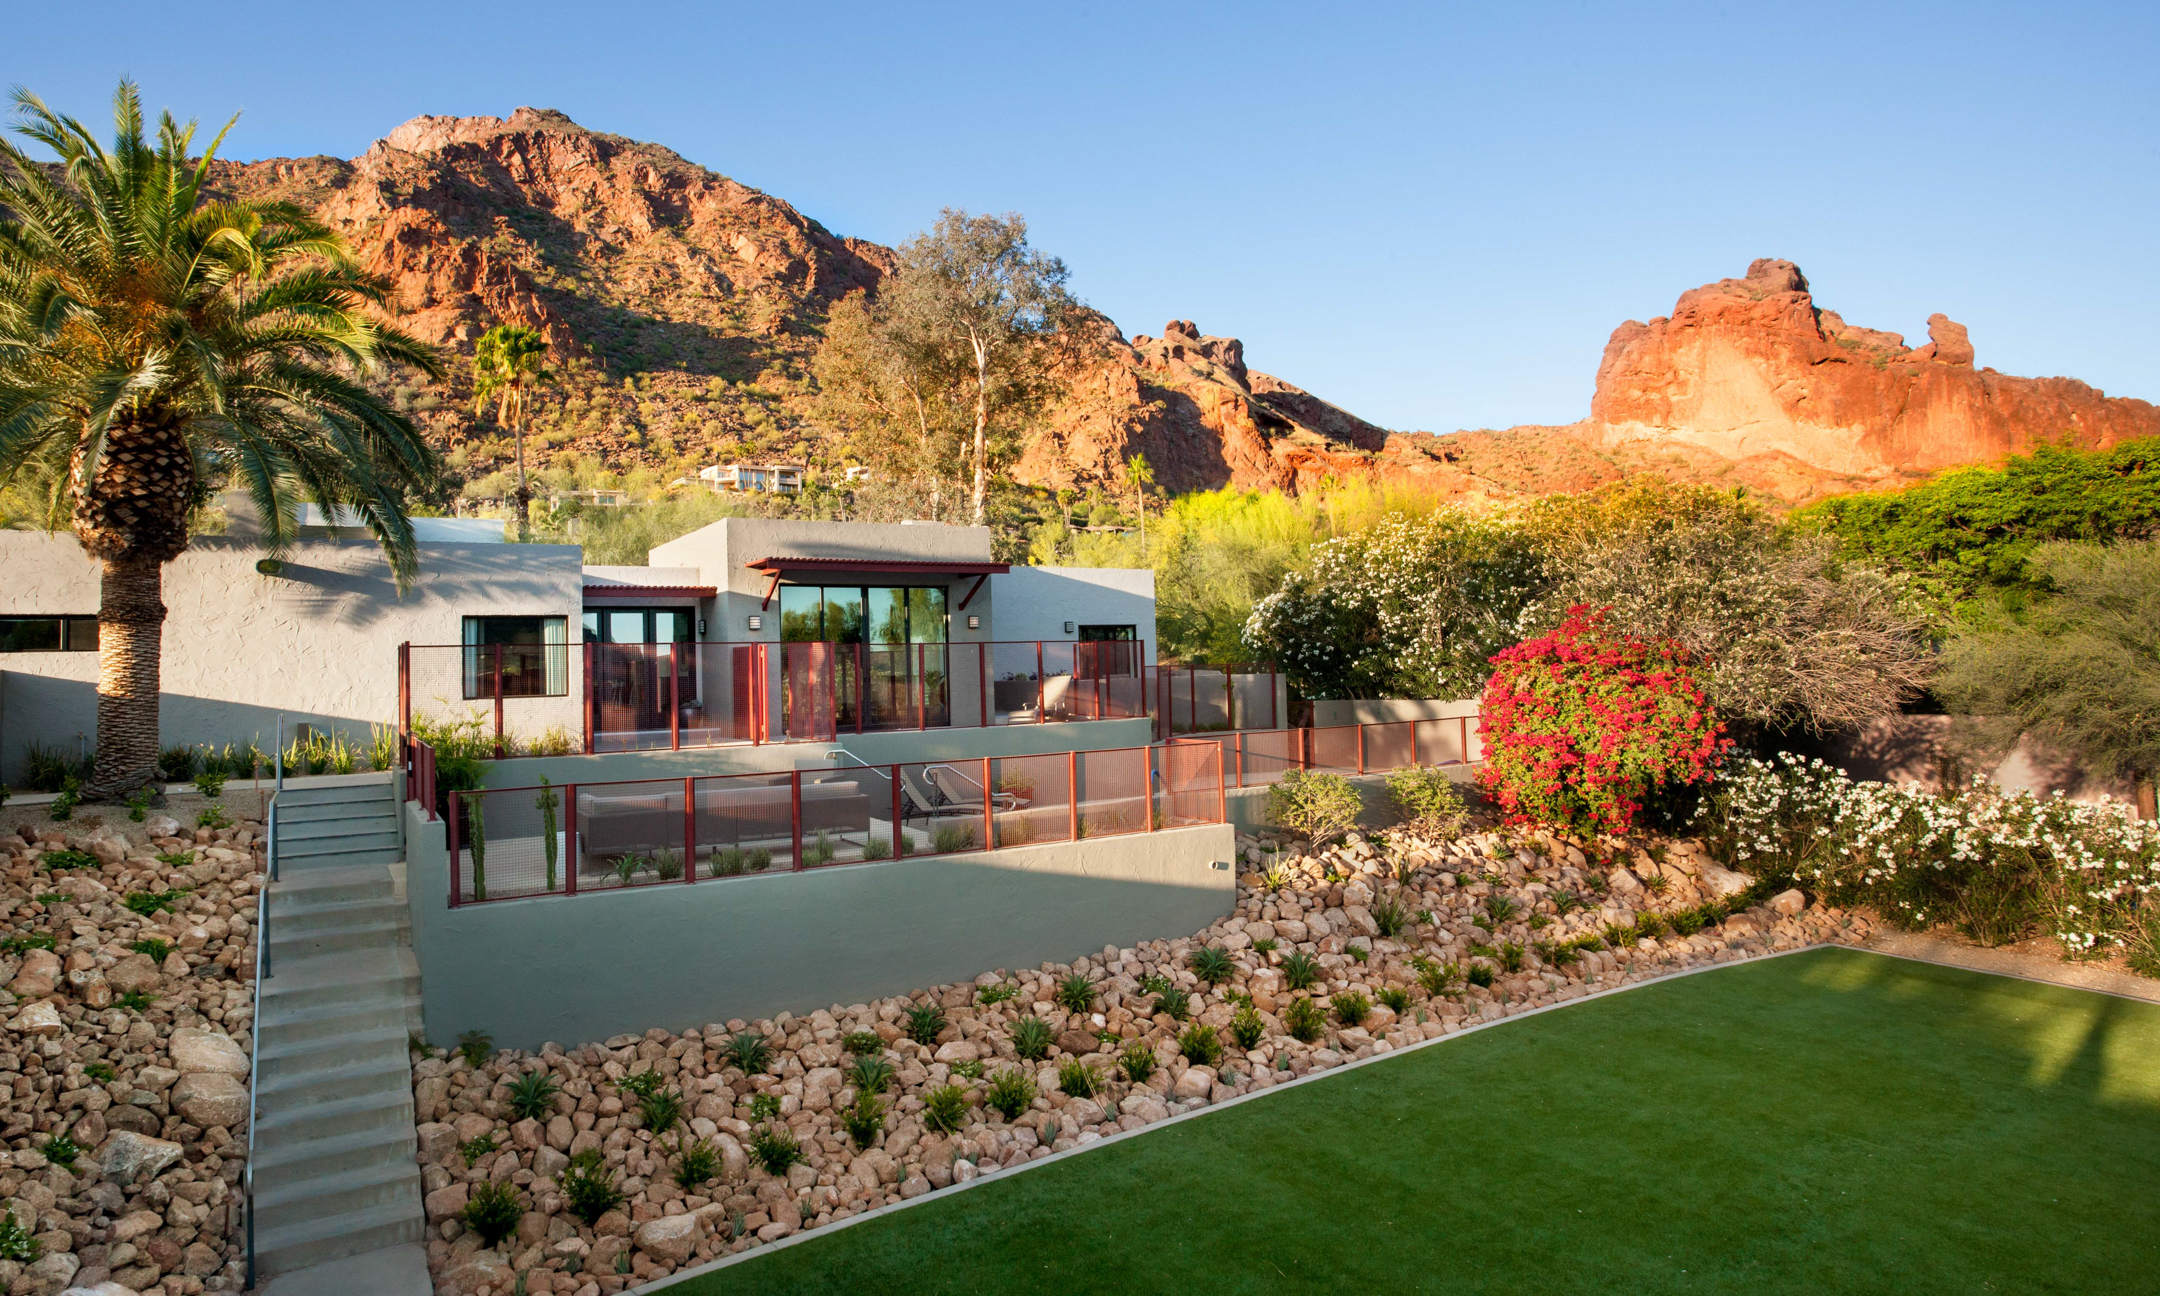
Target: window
[48,634]
[638,625]
[1106,634]
[850,614]
[533,651]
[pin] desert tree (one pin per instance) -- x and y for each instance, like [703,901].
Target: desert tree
[509,361]
[890,388]
[975,286]
[155,343]
[2080,669]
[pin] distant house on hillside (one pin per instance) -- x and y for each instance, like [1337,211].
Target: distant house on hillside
[774,479]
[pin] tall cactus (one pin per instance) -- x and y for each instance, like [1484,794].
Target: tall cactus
[546,805]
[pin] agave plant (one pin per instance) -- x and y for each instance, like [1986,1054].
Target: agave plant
[156,342]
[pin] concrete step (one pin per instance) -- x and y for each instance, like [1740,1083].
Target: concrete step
[293,832]
[399,1270]
[290,861]
[305,1123]
[310,1069]
[343,1192]
[308,914]
[340,794]
[296,1246]
[275,1169]
[330,886]
[346,938]
[328,981]
[284,1027]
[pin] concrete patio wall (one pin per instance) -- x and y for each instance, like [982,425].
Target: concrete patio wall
[578,968]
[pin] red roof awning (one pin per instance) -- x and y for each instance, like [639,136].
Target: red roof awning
[648,591]
[883,566]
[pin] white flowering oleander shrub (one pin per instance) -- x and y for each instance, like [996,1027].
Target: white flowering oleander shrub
[1998,865]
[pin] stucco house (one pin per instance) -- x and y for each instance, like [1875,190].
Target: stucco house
[745,633]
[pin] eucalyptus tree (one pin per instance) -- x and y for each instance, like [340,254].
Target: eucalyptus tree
[157,342]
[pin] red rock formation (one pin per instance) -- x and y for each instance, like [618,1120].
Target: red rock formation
[1748,368]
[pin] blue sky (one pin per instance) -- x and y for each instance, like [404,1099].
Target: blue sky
[1433,215]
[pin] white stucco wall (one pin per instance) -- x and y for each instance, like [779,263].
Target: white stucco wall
[317,642]
[1036,602]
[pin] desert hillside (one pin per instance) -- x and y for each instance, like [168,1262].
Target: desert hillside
[684,308]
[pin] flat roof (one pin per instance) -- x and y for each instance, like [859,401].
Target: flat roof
[614,591]
[892,566]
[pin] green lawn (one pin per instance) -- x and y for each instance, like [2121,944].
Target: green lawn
[1828,1121]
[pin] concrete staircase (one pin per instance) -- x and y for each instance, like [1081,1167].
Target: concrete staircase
[334,1170]
[338,824]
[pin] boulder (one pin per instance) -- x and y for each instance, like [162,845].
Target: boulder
[40,1018]
[1721,881]
[211,1098]
[671,1237]
[207,1051]
[1195,1082]
[958,1050]
[135,972]
[1789,902]
[446,1202]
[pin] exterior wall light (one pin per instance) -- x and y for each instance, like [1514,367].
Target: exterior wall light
[1068,627]
[756,622]
[701,627]
[974,622]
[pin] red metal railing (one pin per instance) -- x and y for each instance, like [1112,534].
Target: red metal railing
[572,839]
[1254,758]
[1210,699]
[420,777]
[833,688]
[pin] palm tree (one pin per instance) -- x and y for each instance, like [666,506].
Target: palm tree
[507,360]
[1139,475]
[155,343]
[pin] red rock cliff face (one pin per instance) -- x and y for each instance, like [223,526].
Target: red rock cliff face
[1751,369]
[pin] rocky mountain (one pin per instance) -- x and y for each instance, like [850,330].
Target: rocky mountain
[684,308]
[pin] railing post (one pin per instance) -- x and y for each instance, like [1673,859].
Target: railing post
[982,672]
[498,703]
[922,690]
[1413,745]
[1042,690]
[896,812]
[1465,720]
[1239,741]
[1072,795]
[795,815]
[1222,793]
[674,696]
[989,817]
[862,705]
[457,883]
[1361,749]
[1229,698]
[570,841]
[1274,715]
[589,704]
[404,694]
[689,830]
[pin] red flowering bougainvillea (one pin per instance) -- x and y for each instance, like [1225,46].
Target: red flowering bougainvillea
[1581,724]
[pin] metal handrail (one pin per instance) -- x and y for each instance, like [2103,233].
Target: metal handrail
[262,973]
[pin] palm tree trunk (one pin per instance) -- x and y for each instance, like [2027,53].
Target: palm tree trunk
[131,623]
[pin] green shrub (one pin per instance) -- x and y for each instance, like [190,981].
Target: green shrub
[136,1000]
[1352,1008]
[213,816]
[1511,956]
[1499,908]
[138,804]
[211,783]
[1428,801]
[775,1149]
[493,1211]
[924,1021]
[1077,1079]
[1266,945]
[1248,1028]
[473,1149]
[1396,998]
[1010,1092]
[62,807]
[16,1243]
[1032,1037]
[1200,1044]
[661,1112]
[945,1108]
[871,1074]
[1480,974]
[864,1119]
[1304,1020]
[24,944]
[51,898]
[1075,993]
[971,1069]
[951,838]
[1318,807]
[1136,1061]
[155,948]
[642,1084]
[1212,964]
[176,859]
[819,851]
[1154,983]
[696,1164]
[61,1150]
[863,1043]
[1390,917]
[1650,925]
[748,1052]
[764,1106]
[1300,970]
[1002,992]
[1174,1002]
[101,1072]
[876,848]
[477,1047]
[60,861]
[588,1186]
[176,764]
[149,902]
[1437,978]
[532,1095]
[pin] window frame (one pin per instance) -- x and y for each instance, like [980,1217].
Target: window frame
[551,656]
[68,631]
